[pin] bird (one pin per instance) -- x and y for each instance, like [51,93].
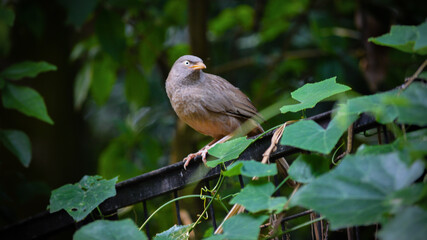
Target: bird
[209,104]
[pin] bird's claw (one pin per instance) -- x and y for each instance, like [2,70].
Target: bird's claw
[202,152]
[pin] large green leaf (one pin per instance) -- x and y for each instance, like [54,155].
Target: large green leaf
[78,10]
[81,198]
[26,69]
[26,100]
[228,150]
[256,197]
[410,147]
[241,16]
[175,232]
[110,230]
[408,106]
[241,226]
[103,79]
[357,191]
[308,135]
[312,93]
[110,31]
[307,167]
[412,39]
[409,224]
[251,168]
[18,143]
[7,16]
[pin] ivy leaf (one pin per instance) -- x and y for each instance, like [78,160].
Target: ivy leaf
[312,93]
[411,39]
[26,100]
[26,69]
[106,230]
[307,167]
[7,16]
[251,168]
[308,135]
[357,191]
[103,79]
[407,107]
[18,143]
[81,198]
[410,222]
[175,232]
[256,197]
[110,30]
[241,226]
[228,150]
[410,147]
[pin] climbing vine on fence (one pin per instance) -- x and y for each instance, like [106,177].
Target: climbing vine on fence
[375,184]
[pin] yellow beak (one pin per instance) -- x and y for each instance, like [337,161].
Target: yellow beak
[198,65]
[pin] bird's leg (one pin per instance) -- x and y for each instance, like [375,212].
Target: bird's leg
[204,151]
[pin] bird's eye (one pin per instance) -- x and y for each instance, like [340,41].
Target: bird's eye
[187,63]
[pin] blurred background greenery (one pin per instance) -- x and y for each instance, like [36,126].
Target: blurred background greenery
[107,98]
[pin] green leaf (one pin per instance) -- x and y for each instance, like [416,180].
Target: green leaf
[312,93]
[407,107]
[82,85]
[251,168]
[406,197]
[410,147]
[137,89]
[411,39]
[18,143]
[110,31]
[26,100]
[7,16]
[357,191]
[307,167]
[175,232]
[110,230]
[81,198]
[26,69]
[256,197]
[410,223]
[241,226]
[78,10]
[228,150]
[308,135]
[103,79]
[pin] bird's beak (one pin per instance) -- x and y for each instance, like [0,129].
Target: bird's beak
[198,66]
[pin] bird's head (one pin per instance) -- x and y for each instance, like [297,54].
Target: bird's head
[188,65]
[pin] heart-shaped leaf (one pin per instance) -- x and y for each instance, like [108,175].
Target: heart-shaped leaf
[251,168]
[81,198]
[110,230]
[256,197]
[312,93]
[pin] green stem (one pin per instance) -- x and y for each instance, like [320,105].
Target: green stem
[171,201]
[219,183]
[280,185]
[303,225]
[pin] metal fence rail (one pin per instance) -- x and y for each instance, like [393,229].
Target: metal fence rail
[162,181]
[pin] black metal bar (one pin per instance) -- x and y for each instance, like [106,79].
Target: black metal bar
[147,229]
[297,215]
[159,182]
[242,183]
[386,138]
[178,213]
[211,210]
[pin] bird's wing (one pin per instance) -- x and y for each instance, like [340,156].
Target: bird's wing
[231,101]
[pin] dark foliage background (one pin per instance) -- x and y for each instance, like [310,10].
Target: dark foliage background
[112,116]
